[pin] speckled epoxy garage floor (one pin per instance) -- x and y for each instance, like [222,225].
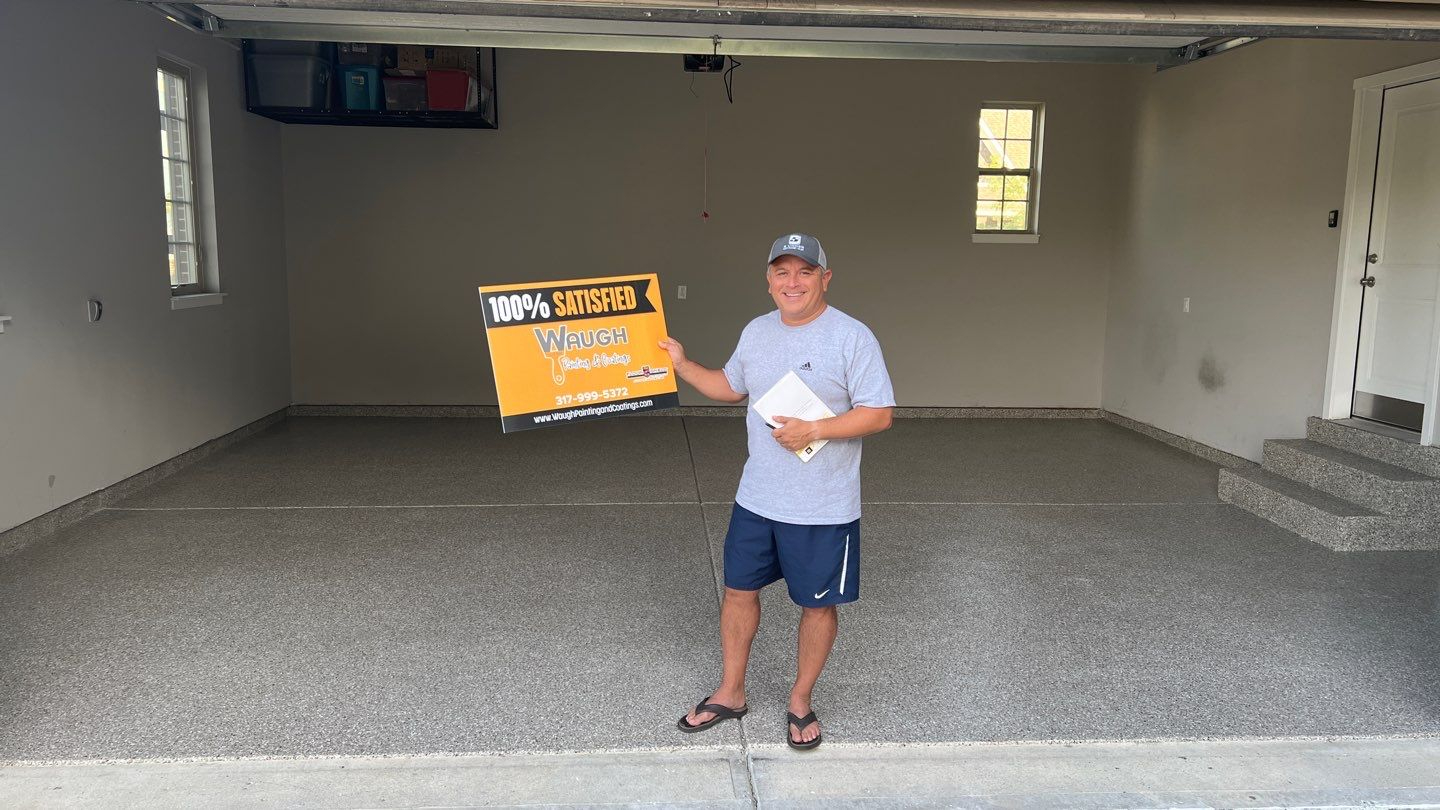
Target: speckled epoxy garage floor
[387,586]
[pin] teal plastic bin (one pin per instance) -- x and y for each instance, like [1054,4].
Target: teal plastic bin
[362,87]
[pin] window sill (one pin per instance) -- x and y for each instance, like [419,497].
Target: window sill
[197,300]
[1005,238]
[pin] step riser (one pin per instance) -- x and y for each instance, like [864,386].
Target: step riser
[1306,521]
[1420,499]
[1424,460]
[1348,533]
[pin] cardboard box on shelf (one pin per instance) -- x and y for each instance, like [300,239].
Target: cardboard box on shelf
[414,60]
[455,59]
[410,59]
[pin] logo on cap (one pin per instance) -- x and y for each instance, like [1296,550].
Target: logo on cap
[798,244]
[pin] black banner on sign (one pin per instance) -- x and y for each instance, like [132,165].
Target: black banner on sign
[520,307]
[599,410]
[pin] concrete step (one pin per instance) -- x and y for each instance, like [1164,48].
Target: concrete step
[1321,517]
[1392,446]
[1377,485]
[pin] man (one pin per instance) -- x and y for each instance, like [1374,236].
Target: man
[795,520]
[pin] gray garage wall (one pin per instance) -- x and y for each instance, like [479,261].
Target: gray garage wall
[597,169]
[1238,159]
[83,405]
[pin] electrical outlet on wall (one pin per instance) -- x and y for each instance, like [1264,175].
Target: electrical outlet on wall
[680,292]
[1185,305]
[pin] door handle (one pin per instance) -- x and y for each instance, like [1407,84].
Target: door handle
[1368,281]
[1373,258]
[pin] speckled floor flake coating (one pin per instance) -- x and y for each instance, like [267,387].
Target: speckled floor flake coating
[277,633]
[982,622]
[331,587]
[360,461]
[988,461]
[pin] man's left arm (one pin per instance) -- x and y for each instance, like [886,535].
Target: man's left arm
[867,380]
[794,434]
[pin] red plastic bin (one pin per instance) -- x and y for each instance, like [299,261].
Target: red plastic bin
[451,90]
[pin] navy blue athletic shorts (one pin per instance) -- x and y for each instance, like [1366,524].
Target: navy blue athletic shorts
[820,564]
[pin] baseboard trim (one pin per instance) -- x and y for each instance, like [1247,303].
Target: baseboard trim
[493,412]
[996,413]
[12,540]
[400,411]
[1190,446]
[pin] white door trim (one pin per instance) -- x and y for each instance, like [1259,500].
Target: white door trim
[1359,185]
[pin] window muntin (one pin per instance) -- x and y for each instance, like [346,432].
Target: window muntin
[1008,164]
[177,159]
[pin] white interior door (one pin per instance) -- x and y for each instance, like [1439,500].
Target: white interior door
[1398,335]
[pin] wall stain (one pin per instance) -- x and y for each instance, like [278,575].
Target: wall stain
[1212,377]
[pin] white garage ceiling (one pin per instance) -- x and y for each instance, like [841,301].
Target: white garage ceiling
[1163,33]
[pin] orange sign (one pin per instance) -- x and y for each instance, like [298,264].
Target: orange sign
[566,351]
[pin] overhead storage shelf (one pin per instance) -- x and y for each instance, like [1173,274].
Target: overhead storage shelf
[341,84]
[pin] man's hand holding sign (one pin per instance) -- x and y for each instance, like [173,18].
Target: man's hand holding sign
[710,382]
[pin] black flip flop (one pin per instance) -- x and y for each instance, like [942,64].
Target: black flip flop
[720,712]
[801,723]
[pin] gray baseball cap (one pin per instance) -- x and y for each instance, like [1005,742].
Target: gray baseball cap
[798,244]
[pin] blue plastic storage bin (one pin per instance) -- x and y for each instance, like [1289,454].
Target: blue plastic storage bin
[362,87]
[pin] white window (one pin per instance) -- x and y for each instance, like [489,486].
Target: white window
[1006,191]
[178,159]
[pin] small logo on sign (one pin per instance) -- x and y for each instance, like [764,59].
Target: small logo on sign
[647,373]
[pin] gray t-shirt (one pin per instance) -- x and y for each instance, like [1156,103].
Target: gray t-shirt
[839,358]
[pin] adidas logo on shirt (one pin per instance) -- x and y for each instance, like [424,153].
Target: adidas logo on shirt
[806,366]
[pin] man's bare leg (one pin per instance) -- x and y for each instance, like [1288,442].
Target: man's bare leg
[739,619]
[817,636]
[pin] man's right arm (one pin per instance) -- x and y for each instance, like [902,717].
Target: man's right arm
[711,382]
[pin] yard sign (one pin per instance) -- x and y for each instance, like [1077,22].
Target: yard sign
[565,351]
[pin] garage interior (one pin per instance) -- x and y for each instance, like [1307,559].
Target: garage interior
[279,519]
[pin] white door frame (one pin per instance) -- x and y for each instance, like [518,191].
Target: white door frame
[1359,187]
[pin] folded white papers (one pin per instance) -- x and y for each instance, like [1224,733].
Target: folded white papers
[792,397]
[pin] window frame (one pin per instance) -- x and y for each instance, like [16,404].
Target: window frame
[1032,200]
[186,75]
